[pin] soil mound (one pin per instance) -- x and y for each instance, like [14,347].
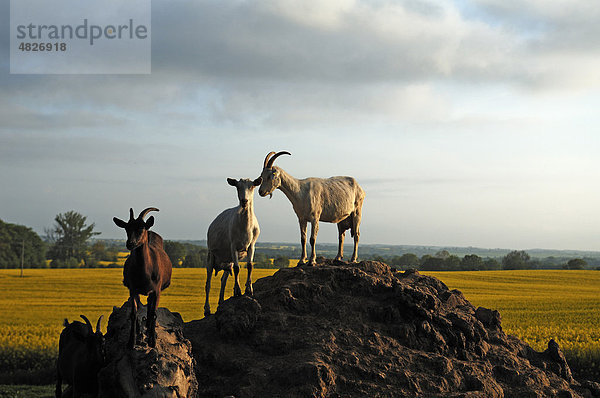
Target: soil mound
[146,372]
[366,330]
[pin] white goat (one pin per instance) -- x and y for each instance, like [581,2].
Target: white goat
[336,200]
[231,236]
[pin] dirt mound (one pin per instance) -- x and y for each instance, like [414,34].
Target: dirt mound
[164,371]
[365,330]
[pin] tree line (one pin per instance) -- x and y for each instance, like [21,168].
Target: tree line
[69,243]
[515,260]
[190,256]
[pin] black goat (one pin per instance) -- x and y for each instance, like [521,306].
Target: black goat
[80,357]
[147,270]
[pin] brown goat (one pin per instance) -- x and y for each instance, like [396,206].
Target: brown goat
[147,270]
[80,357]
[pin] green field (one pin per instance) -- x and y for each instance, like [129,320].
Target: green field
[535,306]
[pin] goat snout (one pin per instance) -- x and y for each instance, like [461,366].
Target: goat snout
[132,244]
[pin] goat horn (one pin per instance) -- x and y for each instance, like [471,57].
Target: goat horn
[131,217]
[98,324]
[146,211]
[267,159]
[272,160]
[87,321]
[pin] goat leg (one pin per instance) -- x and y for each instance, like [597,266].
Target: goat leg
[342,233]
[313,240]
[133,318]
[226,272]
[209,271]
[356,235]
[249,291]
[151,318]
[237,290]
[303,225]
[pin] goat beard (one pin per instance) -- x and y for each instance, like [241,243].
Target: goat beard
[271,195]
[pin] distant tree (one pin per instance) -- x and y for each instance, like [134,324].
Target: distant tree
[517,259]
[429,263]
[261,260]
[576,263]
[443,254]
[99,251]
[281,262]
[70,262]
[491,264]
[452,263]
[471,262]
[15,239]
[176,252]
[69,236]
[424,258]
[407,260]
[194,259]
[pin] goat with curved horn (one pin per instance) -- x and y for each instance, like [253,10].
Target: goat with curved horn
[267,158]
[336,200]
[269,164]
[81,355]
[147,270]
[145,212]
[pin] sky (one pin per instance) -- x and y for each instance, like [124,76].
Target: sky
[467,123]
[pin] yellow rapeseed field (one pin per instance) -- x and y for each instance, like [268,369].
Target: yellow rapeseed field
[539,305]
[535,306]
[36,305]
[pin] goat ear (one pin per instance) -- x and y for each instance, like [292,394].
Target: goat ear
[120,223]
[149,222]
[231,182]
[258,181]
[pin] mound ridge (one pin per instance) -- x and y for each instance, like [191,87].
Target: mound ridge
[367,330]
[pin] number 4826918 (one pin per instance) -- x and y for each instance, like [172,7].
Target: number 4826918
[43,46]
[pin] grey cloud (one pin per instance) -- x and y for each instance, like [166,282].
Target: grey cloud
[256,40]
[22,117]
[255,64]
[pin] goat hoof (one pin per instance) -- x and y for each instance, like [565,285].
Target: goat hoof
[249,293]
[206,312]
